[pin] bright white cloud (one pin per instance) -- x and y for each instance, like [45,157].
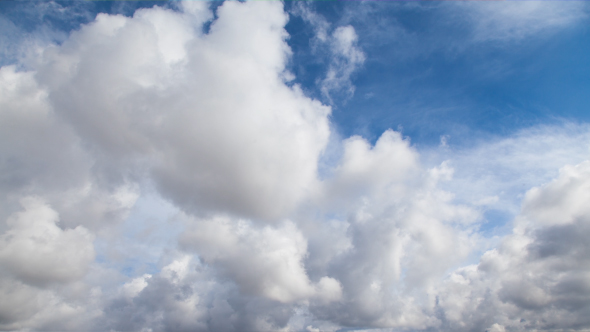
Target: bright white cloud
[231,127]
[265,262]
[36,250]
[42,266]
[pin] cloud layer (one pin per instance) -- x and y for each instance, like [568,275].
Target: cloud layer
[200,114]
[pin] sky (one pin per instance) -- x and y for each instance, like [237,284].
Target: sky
[294,166]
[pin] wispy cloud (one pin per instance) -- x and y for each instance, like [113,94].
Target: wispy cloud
[516,20]
[341,50]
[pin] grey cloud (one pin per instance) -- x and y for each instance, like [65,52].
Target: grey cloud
[35,250]
[192,300]
[535,279]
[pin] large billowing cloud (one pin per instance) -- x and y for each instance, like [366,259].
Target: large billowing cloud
[200,113]
[210,114]
[537,279]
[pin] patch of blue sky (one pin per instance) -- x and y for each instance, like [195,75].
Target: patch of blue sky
[151,226]
[496,223]
[426,72]
[432,72]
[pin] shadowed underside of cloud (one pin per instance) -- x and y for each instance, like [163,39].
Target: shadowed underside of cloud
[209,122]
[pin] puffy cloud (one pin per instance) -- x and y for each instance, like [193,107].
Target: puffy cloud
[42,267]
[25,307]
[266,262]
[403,234]
[366,169]
[37,150]
[536,278]
[188,296]
[42,156]
[364,267]
[230,120]
[563,201]
[213,109]
[37,251]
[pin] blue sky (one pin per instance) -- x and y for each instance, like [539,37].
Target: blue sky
[424,70]
[294,166]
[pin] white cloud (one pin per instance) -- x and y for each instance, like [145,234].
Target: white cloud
[132,288]
[340,47]
[24,307]
[563,201]
[346,59]
[42,267]
[401,235]
[229,121]
[266,262]
[42,156]
[36,250]
[535,280]
[212,109]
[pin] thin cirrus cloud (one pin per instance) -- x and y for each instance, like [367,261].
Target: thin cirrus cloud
[516,20]
[150,108]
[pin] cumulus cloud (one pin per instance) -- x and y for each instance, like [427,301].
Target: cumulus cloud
[229,121]
[264,262]
[212,109]
[396,222]
[42,266]
[535,279]
[231,151]
[42,156]
[36,250]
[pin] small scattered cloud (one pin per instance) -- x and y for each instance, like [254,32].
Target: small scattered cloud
[340,48]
